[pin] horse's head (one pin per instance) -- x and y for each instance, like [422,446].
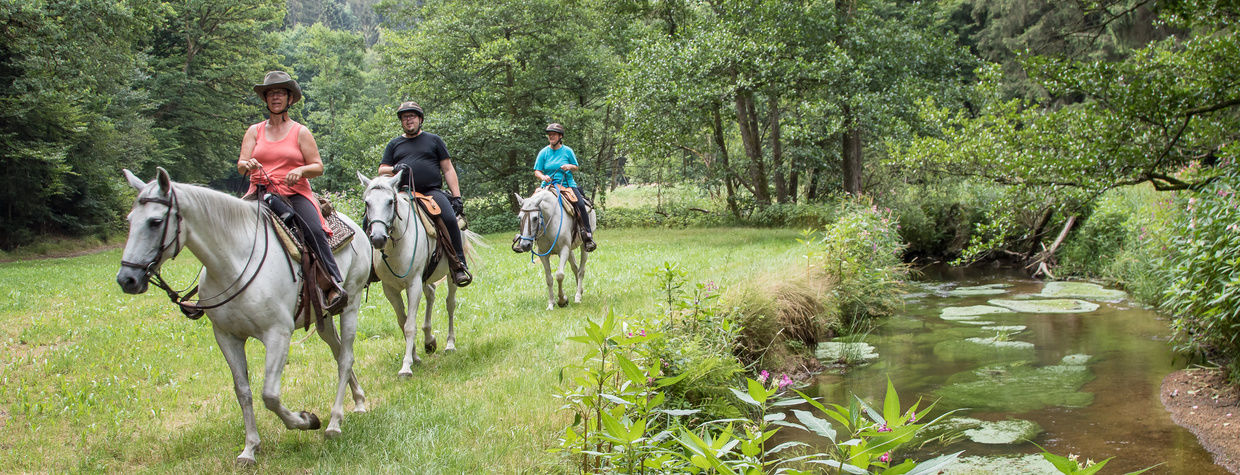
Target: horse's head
[154,231]
[531,219]
[380,200]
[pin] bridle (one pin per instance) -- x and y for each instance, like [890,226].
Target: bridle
[151,273]
[527,214]
[387,225]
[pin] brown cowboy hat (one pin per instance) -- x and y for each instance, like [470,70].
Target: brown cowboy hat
[278,80]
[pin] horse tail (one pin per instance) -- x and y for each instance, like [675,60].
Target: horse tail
[470,240]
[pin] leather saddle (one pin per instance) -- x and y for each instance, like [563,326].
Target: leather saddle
[317,281]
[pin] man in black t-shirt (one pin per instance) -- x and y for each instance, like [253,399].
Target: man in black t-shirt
[425,158]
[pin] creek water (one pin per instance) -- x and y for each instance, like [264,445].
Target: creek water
[1116,412]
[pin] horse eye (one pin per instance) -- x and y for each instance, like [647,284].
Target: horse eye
[155,222]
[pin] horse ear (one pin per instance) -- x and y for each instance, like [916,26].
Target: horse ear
[365,181]
[397,177]
[133,180]
[165,181]
[520,200]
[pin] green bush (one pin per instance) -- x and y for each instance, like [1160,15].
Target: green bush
[860,252]
[937,220]
[1204,295]
[1125,240]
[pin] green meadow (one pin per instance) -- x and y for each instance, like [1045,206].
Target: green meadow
[97,380]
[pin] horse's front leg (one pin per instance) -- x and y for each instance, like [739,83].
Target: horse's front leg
[566,255]
[428,335]
[342,349]
[449,305]
[414,295]
[234,353]
[397,299]
[277,341]
[546,262]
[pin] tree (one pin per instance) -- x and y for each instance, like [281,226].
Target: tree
[491,75]
[69,120]
[206,55]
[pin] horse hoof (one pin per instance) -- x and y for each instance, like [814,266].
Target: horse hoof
[246,462]
[360,408]
[562,303]
[430,347]
[312,419]
[404,374]
[449,348]
[331,433]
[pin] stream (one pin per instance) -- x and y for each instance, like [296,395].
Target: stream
[1084,381]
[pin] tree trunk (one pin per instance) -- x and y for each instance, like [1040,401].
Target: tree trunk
[746,118]
[850,142]
[777,152]
[1044,258]
[728,183]
[811,195]
[1040,229]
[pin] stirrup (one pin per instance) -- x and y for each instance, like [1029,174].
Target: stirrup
[337,304]
[461,277]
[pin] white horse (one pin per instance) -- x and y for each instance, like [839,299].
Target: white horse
[544,221]
[405,250]
[247,285]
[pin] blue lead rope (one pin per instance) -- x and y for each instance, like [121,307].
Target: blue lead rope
[413,256]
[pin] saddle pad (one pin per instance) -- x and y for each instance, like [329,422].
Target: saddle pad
[290,242]
[427,224]
[568,193]
[341,232]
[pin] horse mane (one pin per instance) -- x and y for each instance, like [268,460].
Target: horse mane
[215,205]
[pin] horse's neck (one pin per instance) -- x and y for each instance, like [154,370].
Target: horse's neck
[220,237]
[406,222]
[558,223]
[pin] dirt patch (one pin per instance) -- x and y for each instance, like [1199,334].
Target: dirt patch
[1201,401]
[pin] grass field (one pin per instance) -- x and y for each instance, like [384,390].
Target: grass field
[97,380]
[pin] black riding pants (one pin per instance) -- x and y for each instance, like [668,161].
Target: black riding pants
[310,221]
[449,219]
[582,214]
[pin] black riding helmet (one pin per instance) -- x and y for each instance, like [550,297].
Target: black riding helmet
[408,106]
[555,127]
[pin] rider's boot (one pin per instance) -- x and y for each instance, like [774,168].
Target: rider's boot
[587,241]
[337,298]
[461,275]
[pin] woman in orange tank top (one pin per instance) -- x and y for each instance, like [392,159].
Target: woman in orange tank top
[281,155]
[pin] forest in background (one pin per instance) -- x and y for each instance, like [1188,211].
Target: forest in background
[760,103]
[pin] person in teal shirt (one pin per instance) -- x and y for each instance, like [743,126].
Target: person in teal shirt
[557,162]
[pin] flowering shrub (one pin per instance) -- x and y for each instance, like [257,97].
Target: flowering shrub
[860,251]
[1204,295]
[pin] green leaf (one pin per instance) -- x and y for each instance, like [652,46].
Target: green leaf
[816,425]
[745,397]
[635,374]
[891,405]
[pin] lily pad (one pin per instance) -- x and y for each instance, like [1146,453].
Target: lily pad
[983,349]
[988,289]
[1006,328]
[976,322]
[1080,290]
[970,313]
[1011,431]
[1032,464]
[1018,387]
[847,351]
[1046,306]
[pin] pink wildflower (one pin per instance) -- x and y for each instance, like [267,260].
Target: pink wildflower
[885,457]
[784,382]
[763,376]
[912,418]
[643,332]
[883,428]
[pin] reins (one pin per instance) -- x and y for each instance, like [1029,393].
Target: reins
[193,311]
[396,215]
[558,227]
